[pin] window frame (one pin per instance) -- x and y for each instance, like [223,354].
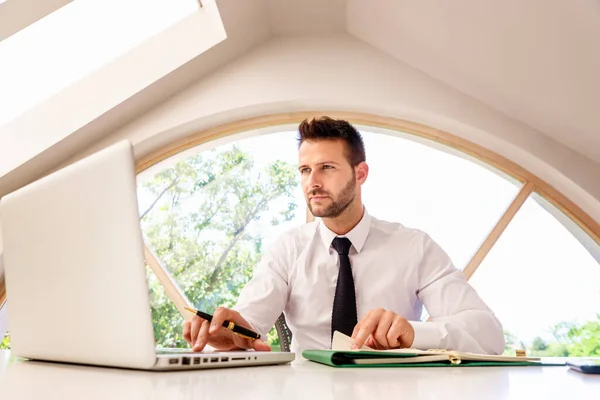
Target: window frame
[530,182]
[419,131]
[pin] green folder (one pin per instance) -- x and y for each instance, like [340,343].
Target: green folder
[368,359]
[341,355]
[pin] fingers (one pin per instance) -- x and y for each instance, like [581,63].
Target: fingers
[395,331]
[382,329]
[374,344]
[260,345]
[385,322]
[357,327]
[366,326]
[199,332]
[187,332]
[203,337]
[401,333]
[196,324]
[221,314]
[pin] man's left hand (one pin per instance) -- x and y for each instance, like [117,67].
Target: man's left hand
[381,329]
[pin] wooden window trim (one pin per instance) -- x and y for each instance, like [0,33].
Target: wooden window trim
[489,157]
[589,225]
[2,295]
[497,230]
[171,288]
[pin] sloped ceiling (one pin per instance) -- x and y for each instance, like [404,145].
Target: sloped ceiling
[534,60]
[288,17]
[537,61]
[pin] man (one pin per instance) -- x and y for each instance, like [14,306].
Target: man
[352,272]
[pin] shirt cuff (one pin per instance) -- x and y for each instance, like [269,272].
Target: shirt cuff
[427,335]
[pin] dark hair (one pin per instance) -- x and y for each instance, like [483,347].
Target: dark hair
[325,128]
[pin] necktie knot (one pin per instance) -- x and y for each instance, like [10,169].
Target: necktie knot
[342,245]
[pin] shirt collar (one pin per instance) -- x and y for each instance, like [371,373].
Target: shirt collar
[358,234]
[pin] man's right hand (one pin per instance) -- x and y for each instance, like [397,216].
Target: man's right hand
[199,332]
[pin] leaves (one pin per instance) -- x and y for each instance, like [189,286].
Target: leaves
[585,339]
[571,340]
[205,218]
[5,343]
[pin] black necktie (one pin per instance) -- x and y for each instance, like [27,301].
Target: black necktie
[343,317]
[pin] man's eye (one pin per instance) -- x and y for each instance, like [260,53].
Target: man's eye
[327,166]
[304,170]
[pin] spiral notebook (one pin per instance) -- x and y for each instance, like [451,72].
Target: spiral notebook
[342,356]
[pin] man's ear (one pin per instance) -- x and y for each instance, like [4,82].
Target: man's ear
[361,171]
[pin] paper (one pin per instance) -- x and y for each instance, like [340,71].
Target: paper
[342,342]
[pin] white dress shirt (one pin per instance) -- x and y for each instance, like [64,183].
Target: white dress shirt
[394,267]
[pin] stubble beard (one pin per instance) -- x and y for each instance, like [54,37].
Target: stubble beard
[339,205]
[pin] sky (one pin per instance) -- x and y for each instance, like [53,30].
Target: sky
[72,42]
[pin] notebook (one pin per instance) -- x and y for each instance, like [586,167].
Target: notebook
[341,355]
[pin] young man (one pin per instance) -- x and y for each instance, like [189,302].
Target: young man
[352,272]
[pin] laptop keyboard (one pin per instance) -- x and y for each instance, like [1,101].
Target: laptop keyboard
[165,350]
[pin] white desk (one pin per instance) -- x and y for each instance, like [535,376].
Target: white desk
[301,380]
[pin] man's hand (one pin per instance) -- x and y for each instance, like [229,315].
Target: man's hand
[199,332]
[381,329]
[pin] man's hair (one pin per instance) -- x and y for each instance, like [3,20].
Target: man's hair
[325,128]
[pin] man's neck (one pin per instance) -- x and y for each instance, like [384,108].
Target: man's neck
[346,221]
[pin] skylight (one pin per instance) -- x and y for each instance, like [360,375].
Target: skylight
[70,43]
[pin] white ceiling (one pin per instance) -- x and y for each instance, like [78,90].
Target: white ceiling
[307,16]
[536,60]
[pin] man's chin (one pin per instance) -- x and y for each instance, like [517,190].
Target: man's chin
[320,213]
[317,211]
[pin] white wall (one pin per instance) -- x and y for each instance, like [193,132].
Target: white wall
[342,73]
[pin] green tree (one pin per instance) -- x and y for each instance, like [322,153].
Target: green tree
[561,330]
[571,340]
[205,222]
[538,344]
[585,339]
[556,350]
[5,343]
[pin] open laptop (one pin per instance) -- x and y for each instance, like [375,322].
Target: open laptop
[75,274]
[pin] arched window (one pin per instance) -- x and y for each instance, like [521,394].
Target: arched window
[456,198]
[208,212]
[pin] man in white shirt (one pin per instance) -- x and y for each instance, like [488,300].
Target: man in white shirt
[351,272]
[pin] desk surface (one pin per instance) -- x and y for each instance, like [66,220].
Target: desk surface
[300,380]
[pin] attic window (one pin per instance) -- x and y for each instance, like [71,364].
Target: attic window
[73,41]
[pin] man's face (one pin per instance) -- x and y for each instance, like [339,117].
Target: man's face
[328,181]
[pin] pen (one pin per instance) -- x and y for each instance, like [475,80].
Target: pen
[238,330]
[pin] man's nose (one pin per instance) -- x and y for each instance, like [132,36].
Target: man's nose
[313,181]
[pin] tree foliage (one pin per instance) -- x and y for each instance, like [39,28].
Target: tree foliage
[206,221]
[5,343]
[570,340]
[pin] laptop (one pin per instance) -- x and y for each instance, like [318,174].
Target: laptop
[75,275]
